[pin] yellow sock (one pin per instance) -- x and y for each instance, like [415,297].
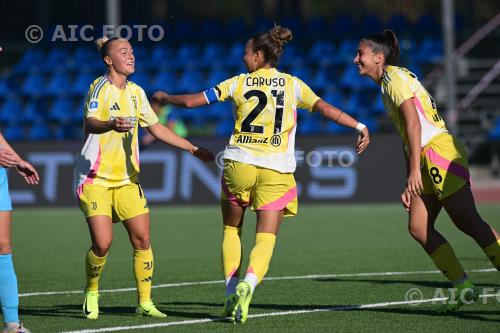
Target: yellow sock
[492,251]
[143,272]
[231,252]
[94,266]
[445,259]
[260,257]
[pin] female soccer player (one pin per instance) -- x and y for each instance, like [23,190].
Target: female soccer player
[9,298]
[259,161]
[438,173]
[108,171]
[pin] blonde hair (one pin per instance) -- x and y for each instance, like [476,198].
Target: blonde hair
[271,43]
[103,44]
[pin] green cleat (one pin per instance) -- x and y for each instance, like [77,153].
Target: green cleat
[466,293]
[229,305]
[148,309]
[244,296]
[91,305]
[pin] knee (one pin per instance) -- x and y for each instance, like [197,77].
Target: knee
[418,233]
[5,248]
[141,243]
[101,249]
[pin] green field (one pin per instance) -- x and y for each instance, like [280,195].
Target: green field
[335,242]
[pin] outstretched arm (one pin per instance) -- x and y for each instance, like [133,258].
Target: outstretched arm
[331,112]
[184,101]
[166,135]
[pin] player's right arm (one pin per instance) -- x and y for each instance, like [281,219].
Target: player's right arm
[219,93]
[94,112]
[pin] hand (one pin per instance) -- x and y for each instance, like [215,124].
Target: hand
[414,185]
[8,158]
[363,141]
[203,154]
[406,199]
[120,125]
[28,172]
[160,97]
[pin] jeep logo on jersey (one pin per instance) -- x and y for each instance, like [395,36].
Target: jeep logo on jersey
[249,139]
[275,140]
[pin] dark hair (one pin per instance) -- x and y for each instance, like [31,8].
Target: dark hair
[103,45]
[271,43]
[385,43]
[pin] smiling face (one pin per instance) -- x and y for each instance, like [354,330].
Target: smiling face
[121,57]
[369,63]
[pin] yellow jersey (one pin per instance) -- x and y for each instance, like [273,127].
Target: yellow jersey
[265,106]
[398,85]
[112,159]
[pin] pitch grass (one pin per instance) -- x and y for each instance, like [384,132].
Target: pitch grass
[50,245]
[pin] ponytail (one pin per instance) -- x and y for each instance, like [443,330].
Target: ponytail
[386,43]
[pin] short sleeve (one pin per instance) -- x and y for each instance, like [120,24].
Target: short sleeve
[398,89]
[304,95]
[94,103]
[147,116]
[222,91]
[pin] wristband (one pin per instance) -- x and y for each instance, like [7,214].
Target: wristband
[360,127]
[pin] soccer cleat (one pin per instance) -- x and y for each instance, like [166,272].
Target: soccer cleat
[149,309]
[244,296]
[229,305]
[466,293]
[91,305]
[15,328]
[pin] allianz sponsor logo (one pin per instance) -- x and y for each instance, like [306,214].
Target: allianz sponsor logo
[250,139]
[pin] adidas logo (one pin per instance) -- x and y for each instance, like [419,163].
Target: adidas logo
[115,107]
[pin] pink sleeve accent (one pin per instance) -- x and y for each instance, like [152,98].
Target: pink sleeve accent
[281,203]
[91,175]
[445,164]
[419,106]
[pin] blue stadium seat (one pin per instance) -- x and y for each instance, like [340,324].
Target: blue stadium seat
[347,51]
[308,124]
[211,29]
[184,29]
[494,133]
[430,50]
[61,111]
[164,81]
[212,52]
[216,76]
[29,60]
[39,131]
[236,29]
[224,128]
[10,110]
[427,25]
[32,111]
[5,88]
[141,78]
[58,85]
[82,84]
[334,128]
[13,132]
[33,85]
[191,81]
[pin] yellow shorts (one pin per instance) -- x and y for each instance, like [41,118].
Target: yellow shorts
[120,203]
[260,188]
[444,166]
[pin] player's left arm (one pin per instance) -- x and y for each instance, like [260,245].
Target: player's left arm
[184,101]
[331,112]
[167,136]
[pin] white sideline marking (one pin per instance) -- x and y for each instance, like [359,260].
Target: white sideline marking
[269,314]
[275,278]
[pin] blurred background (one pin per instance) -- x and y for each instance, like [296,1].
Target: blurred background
[451,45]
